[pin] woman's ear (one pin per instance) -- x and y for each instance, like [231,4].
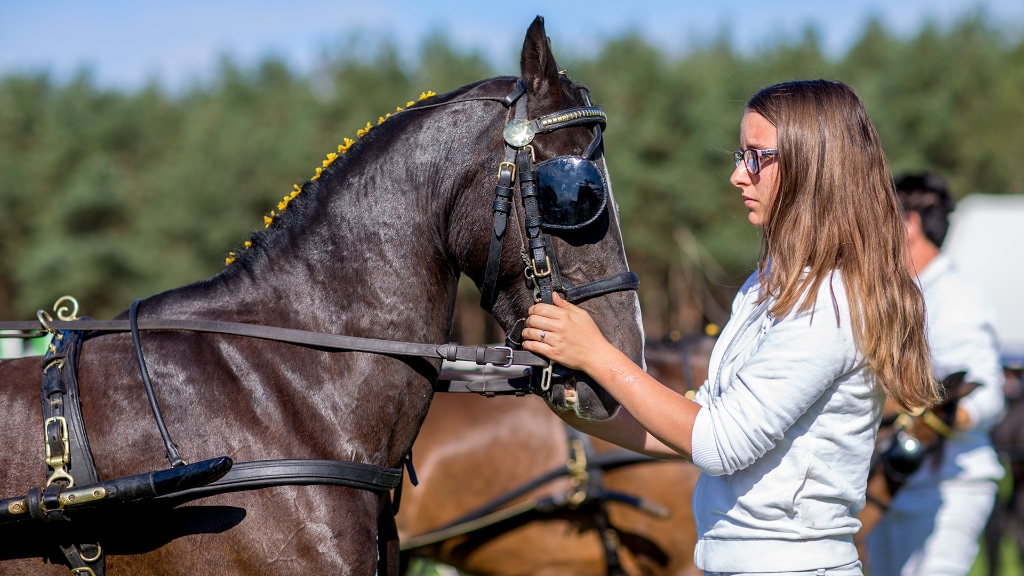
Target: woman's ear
[915,230]
[537,64]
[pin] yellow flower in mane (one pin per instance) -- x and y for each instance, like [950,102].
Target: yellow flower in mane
[248,244]
[229,259]
[342,148]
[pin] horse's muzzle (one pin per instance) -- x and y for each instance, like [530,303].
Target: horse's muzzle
[576,391]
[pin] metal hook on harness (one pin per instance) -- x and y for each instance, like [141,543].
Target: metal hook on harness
[44,319]
[545,376]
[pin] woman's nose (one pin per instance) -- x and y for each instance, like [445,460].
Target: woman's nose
[740,177]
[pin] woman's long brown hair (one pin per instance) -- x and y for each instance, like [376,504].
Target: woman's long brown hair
[836,210]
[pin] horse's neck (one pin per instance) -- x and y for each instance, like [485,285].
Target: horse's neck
[364,261]
[364,251]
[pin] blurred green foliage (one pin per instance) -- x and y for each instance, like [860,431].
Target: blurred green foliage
[111,195]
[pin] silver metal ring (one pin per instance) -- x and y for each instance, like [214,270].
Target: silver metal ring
[542,334]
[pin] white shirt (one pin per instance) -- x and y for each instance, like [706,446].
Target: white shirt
[784,438]
[961,334]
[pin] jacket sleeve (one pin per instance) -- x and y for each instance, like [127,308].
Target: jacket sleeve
[798,359]
[963,337]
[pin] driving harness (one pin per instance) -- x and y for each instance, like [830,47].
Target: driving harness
[71,481]
[586,503]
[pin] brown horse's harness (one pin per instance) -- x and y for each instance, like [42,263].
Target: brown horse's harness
[72,483]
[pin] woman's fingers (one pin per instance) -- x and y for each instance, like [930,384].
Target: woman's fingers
[536,333]
[546,310]
[562,302]
[543,322]
[541,348]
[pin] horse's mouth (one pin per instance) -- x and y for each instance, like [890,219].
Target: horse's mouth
[572,390]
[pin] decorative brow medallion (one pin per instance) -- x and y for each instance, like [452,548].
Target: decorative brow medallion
[519,133]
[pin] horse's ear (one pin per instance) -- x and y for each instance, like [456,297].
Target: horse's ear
[537,63]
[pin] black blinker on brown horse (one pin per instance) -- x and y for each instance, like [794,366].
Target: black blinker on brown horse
[905,443]
[371,248]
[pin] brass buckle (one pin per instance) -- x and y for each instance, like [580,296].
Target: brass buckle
[84,570]
[579,478]
[55,462]
[545,273]
[512,165]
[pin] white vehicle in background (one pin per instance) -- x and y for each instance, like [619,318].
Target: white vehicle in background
[986,240]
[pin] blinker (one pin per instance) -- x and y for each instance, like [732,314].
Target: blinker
[902,454]
[571,192]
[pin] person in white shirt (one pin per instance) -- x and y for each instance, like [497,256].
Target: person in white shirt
[829,324]
[935,520]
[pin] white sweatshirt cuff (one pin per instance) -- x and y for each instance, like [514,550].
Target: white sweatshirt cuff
[703,448]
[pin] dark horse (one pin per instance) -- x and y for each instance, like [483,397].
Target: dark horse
[371,248]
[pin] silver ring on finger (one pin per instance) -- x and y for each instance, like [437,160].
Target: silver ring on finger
[542,335]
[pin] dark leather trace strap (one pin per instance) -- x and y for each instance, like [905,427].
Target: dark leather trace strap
[269,473]
[321,340]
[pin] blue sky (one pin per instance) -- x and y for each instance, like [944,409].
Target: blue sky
[127,43]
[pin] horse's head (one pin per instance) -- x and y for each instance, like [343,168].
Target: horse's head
[564,231]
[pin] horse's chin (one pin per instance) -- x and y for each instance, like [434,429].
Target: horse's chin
[577,393]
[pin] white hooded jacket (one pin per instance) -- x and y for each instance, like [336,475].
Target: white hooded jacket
[784,438]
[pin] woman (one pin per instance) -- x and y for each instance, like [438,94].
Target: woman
[831,322]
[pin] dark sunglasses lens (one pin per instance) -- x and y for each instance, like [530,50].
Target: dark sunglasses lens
[571,191]
[752,164]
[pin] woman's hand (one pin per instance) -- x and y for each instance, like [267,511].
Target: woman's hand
[564,333]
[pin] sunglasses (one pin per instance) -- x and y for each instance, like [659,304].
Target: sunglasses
[572,192]
[752,158]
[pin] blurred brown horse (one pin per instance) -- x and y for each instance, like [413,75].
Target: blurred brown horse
[472,450]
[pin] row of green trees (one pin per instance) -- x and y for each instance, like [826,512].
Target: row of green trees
[111,194]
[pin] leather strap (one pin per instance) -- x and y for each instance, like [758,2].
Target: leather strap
[66,443]
[502,205]
[172,451]
[269,473]
[309,339]
[619,283]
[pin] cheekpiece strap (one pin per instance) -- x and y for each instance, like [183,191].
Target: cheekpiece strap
[502,205]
